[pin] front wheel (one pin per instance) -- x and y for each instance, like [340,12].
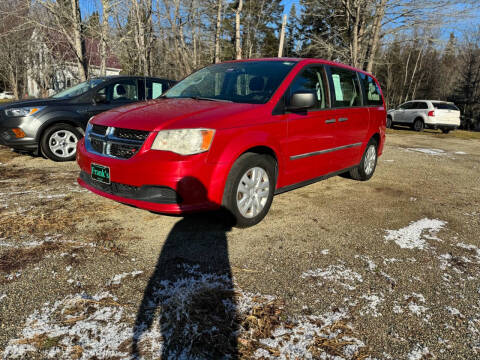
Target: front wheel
[59,142]
[445,131]
[366,168]
[249,189]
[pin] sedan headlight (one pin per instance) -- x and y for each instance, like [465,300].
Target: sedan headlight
[184,141]
[24,111]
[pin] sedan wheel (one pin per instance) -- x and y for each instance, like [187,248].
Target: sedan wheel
[59,142]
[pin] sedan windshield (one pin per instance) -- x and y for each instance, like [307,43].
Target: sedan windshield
[252,82]
[79,89]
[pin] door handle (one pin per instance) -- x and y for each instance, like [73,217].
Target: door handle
[342,119]
[330,121]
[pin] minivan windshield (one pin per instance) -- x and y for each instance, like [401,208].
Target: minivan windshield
[79,89]
[251,82]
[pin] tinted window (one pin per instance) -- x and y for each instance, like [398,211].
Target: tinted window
[121,91]
[444,106]
[252,82]
[311,79]
[408,106]
[422,105]
[155,88]
[345,88]
[371,90]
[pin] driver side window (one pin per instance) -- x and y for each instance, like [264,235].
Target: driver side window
[311,80]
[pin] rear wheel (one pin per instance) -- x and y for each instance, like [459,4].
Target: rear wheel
[418,125]
[445,131]
[389,122]
[366,168]
[249,189]
[59,142]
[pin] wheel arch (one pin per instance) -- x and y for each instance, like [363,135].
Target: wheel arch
[260,144]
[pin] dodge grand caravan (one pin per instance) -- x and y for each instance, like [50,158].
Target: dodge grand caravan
[232,135]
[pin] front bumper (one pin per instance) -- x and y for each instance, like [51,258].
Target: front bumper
[28,125]
[155,180]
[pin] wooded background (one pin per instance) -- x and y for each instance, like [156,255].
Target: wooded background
[404,43]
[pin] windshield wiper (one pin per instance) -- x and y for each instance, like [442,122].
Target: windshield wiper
[207,99]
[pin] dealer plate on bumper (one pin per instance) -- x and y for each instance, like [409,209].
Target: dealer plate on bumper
[100,173]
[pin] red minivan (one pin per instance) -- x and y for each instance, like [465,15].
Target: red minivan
[234,134]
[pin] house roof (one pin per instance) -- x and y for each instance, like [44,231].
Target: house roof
[61,49]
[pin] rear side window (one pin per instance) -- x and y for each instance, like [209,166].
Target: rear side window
[422,105]
[312,79]
[444,106]
[371,90]
[346,90]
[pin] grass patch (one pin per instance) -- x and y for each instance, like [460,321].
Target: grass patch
[16,258]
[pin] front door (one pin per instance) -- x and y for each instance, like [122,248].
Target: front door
[117,93]
[310,134]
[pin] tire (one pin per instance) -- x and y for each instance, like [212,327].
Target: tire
[59,142]
[418,125]
[389,122]
[445,131]
[364,171]
[247,166]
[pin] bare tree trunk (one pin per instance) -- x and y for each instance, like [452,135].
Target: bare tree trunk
[238,46]
[375,37]
[103,44]
[78,41]
[282,36]
[218,31]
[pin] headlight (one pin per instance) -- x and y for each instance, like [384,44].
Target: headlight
[184,141]
[25,111]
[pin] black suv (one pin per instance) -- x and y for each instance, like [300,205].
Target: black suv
[53,126]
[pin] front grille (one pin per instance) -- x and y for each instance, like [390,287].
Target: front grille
[115,142]
[124,151]
[99,129]
[97,145]
[131,134]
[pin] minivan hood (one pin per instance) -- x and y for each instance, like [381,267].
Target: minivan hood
[155,115]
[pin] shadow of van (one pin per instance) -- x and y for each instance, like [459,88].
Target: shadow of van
[189,298]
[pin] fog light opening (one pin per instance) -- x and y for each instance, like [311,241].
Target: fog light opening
[18,133]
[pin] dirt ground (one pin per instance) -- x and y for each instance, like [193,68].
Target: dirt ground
[385,269]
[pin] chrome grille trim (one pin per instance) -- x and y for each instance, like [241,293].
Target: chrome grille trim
[108,139]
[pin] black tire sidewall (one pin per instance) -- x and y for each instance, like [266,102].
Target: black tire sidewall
[363,176]
[420,128]
[239,168]
[389,123]
[48,133]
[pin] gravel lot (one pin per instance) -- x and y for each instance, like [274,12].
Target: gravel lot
[385,269]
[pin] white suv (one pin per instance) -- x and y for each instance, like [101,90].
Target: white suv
[6,95]
[420,114]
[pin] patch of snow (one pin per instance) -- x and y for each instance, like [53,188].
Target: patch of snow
[460,153]
[435,152]
[419,352]
[412,236]
[336,273]
[453,311]
[324,252]
[371,265]
[373,302]
[117,279]
[3,296]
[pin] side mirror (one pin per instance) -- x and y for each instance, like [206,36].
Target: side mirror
[100,98]
[302,101]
